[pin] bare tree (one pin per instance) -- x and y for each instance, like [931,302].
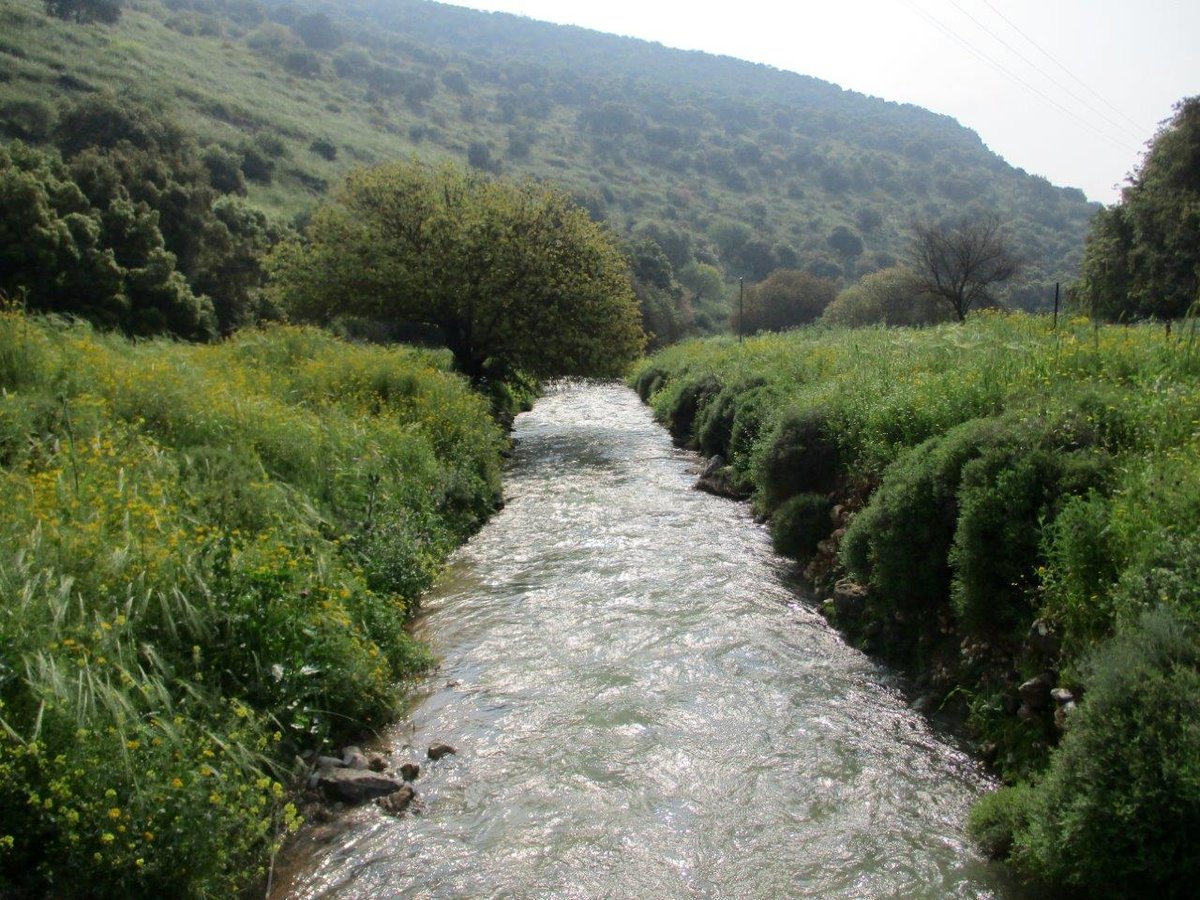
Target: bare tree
[959,263]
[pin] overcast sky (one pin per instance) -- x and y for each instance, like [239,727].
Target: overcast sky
[1068,89]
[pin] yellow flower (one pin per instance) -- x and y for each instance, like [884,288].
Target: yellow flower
[176,783]
[114,813]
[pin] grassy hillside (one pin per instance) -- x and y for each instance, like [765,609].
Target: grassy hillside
[1013,513]
[721,162]
[209,557]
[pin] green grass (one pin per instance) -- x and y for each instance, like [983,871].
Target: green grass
[209,556]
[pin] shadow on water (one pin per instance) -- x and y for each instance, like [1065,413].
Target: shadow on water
[646,706]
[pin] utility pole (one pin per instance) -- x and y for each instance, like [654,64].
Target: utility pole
[1056,306]
[741,307]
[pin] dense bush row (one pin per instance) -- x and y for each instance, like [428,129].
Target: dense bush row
[1022,505]
[209,556]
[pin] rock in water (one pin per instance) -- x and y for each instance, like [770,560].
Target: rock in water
[438,749]
[354,786]
[410,770]
[397,802]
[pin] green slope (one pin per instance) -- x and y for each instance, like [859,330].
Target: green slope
[722,162]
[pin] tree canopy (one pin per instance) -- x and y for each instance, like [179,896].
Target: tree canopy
[1143,253]
[513,275]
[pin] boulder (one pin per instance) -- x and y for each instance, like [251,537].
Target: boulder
[1035,693]
[410,770]
[713,466]
[438,749]
[355,786]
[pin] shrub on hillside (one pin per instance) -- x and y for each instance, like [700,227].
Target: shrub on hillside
[801,456]
[1118,810]
[693,395]
[800,524]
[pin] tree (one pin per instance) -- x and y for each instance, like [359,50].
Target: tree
[512,275]
[1143,254]
[107,12]
[960,262]
[786,299]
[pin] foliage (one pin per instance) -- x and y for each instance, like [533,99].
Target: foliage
[84,11]
[960,263]
[1141,259]
[800,524]
[666,312]
[1116,809]
[210,553]
[786,299]
[513,274]
[106,263]
[891,296]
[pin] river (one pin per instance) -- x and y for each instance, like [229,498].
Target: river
[646,704]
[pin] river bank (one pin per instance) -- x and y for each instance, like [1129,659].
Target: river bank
[1004,510]
[210,555]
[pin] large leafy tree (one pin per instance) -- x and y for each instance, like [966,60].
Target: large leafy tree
[512,275]
[1143,254]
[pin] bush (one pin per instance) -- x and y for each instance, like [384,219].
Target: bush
[900,543]
[648,382]
[714,424]
[1007,496]
[1119,809]
[693,395]
[997,818]
[800,457]
[800,524]
[26,120]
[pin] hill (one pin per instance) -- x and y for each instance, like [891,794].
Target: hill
[723,163]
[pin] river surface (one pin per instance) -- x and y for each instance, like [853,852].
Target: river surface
[645,705]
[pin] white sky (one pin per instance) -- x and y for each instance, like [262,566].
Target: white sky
[1133,61]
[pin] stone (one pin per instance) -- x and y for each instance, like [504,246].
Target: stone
[849,600]
[354,758]
[924,704]
[355,786]
[1042,640]
[410,770]
[1062,696]
[330,762]
[438,749]
[397,802]
[1035,693]
[377,762]
[713,466]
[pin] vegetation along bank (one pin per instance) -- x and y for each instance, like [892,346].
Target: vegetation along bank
[210,555]
[1012,513]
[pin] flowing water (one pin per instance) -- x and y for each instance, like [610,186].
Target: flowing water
[646,705]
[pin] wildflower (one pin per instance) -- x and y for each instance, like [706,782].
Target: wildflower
[114,813]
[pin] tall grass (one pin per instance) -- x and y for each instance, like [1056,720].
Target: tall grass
[207,558]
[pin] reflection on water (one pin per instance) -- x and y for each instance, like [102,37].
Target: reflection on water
[645,707]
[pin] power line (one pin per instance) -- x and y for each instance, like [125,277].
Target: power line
[1012,76]
[1134,133]
[1050,56]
